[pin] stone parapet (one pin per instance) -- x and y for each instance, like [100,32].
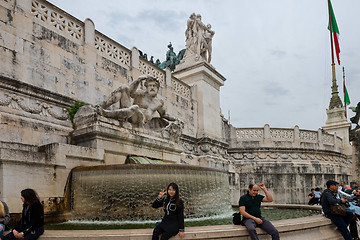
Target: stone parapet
[290,138]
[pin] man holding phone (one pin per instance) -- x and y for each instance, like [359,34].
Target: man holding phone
[249,205]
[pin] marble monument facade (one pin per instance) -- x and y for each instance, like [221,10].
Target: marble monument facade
[50,60]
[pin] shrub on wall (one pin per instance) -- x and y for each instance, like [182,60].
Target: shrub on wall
[73,109]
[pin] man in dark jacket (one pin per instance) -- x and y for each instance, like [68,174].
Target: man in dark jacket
[329,198]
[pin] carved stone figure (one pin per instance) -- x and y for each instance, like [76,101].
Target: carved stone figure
[355,119]
[146,103]
[354,134]
[206,45]
[173,130]
[198,38]
[190,34]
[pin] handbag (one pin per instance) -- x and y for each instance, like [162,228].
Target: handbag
[338,209]
[237,219]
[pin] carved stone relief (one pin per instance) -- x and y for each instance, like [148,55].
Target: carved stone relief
[32,106]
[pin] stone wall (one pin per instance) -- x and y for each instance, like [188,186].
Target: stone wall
[355,138]
[50,60]
[288,161]
[49,50]
[44,168]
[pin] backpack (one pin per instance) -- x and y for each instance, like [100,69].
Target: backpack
[237,219]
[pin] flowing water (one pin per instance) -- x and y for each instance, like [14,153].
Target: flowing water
[126,192]
[270,213]
[120,197]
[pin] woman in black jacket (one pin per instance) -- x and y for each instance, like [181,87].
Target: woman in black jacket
[31,225]
[173,221]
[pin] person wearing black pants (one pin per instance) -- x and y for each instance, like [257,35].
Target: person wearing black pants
[328,199]
[31,225]
[173,221]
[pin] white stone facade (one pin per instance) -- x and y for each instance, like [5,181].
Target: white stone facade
[50,59]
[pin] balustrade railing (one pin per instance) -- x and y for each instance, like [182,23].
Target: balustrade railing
[112,50]
[56,19]
[294,137]
[70,27]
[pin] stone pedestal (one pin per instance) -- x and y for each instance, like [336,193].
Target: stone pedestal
[119,142]
[206,82]
[355,139]
[337,123]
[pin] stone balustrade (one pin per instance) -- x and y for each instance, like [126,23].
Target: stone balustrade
[286,137]
[112,50]
[58,20]
[80,32]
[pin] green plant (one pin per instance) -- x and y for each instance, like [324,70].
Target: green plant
[73,109]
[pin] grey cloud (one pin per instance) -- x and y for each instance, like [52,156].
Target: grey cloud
[166,20]
[275,90]
[125,39]
[278,53]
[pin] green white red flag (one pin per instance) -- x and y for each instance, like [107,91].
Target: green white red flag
[336,33]
[346,96]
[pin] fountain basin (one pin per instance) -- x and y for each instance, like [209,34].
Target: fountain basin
[314,227]
[271,213]
[125,192]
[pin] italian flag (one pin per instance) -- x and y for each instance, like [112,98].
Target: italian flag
[346,96]
[335,31]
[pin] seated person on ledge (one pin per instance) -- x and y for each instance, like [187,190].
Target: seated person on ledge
[249,205]
[328,199]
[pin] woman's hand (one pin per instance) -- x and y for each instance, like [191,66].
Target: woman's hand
[162,193]
[181,234]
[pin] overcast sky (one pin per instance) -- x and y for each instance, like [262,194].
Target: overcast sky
[274,54]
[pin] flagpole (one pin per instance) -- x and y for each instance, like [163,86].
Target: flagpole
[331,40]
[335,100]
[344,91]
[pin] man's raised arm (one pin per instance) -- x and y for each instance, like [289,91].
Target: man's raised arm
[268,197]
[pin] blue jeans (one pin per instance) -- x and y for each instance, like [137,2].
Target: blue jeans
[2,229]
[342,222]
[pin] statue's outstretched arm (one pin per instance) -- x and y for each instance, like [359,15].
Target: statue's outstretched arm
[135,84]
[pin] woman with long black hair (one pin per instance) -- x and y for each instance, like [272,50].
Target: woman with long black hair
[173,221]
[31,225]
